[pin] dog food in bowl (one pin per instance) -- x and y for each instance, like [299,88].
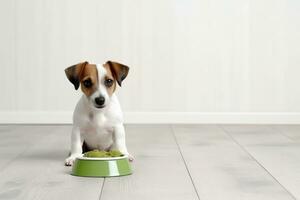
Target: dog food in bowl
[102,154]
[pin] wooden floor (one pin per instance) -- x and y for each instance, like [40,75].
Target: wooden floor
[172,162]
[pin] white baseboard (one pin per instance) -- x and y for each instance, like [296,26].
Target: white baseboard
[160,117]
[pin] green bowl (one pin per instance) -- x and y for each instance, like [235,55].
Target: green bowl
[101,167]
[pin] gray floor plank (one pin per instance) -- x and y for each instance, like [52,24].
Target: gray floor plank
[6,128]
[31,164]
[291,131]
[221,169]
[274,151]
[159,172]
[39,173]
[16,139]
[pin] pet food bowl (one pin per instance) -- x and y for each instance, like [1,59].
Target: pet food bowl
[101,167]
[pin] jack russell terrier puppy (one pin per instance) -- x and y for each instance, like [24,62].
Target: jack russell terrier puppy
[97,119]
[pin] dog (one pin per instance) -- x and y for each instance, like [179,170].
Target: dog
[98,118]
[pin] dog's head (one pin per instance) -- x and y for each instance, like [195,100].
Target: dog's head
[98,82]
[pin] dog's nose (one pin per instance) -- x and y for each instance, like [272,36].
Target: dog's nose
[100,100]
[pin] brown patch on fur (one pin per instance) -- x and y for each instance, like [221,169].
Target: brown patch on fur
[90,72]
[109,75]
[118,70]
[73,73]
[80,72]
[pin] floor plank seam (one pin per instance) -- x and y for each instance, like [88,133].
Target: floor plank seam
[101,192]
[247,152]
[281,133]
[185,164]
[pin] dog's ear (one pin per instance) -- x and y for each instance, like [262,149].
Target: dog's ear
[74,72]
[119,71]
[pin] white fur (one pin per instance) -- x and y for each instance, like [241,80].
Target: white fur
[101,87]
[100,128]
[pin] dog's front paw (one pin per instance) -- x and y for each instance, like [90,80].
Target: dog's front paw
[70,160]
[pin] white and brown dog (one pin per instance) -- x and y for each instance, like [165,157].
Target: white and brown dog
[97,119]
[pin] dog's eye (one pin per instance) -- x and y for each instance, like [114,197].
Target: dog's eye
[108,82]
[87,83]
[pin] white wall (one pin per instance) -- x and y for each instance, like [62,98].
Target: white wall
[205,60]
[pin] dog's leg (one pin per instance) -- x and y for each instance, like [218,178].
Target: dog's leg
[76,146]
[119,141]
